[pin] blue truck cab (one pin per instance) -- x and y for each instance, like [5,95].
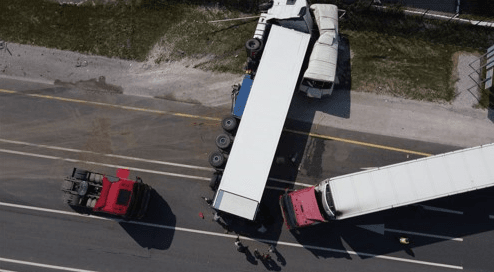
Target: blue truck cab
[240,96]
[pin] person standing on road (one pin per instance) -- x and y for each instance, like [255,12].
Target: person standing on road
[271,249]
[240,247]
[404,240]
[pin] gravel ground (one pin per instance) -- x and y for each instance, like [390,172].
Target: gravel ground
[455,124]
[173,81]
[466,87]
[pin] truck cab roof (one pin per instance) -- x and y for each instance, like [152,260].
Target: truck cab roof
[116,194]
[305,207]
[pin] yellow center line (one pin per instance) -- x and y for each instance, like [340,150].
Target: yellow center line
[325,137]
[213,119]
[113,106]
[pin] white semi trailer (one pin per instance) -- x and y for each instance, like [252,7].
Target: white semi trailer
[390,187]
[276,55]
[242,183]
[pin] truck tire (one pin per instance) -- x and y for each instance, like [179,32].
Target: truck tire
[80,174]
[265,6]
[67,185]
[73,200]
[215,181]
[253,48]
[223,141]
[253,44]
[98,178]
[217,159]
[93,202]
[229,124]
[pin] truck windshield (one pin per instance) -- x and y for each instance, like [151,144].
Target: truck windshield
[329,205]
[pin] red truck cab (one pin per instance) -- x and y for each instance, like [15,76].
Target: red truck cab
[301,208]
[102,193]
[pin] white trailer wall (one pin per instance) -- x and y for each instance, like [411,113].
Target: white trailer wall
[252,153]
[414,181]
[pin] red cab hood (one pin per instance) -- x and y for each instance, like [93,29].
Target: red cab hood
[115,196]
[305,207]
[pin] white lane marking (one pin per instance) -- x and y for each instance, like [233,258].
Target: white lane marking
[3,270]
[44,265]
[115,166]
[425,234]
[439,209]
[102,164]
[379,228]
[106,155]
[243,237]
[290,182]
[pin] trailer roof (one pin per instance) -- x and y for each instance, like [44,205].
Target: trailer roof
[413,181]
[255,144]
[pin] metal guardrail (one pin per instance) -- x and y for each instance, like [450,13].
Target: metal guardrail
[455,18]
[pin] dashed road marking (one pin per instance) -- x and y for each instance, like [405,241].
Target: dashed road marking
[243,237]
[430,208]
[43,265]
[102,164]
[425,235]
[117,166]
[107,155]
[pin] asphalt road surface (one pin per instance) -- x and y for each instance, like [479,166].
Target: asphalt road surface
[45,131]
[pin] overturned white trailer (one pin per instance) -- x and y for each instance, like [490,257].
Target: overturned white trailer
[390,187]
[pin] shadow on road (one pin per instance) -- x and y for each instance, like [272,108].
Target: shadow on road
[338,103]
[159,235]
[348,238]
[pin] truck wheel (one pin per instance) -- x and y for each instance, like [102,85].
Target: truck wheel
[253,44]
[217,159]
[223,141]
[253,48]
[265,6]
[215,181]
[73,200]
[98,178]
[229,124]
[67,185]
[80,174]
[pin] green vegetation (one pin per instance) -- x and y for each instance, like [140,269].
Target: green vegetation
[406,56]
[221,44]
[405,67]
[129,30]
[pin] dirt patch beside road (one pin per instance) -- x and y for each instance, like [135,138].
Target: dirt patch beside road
[168,80]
